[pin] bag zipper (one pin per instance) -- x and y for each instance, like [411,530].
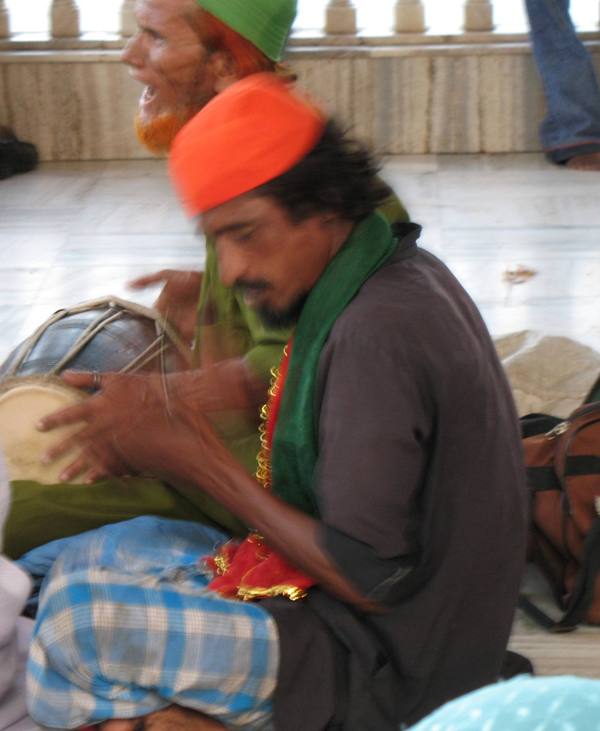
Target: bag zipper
[561,428]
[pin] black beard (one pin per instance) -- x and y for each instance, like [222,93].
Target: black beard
[282,319]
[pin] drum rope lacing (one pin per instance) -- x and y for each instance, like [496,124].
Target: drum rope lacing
[156,349]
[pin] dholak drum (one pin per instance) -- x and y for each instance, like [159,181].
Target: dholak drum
[108,334]
[103,335]
[23,401]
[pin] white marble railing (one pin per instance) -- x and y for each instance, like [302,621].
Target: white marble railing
[409,76]
[318,19]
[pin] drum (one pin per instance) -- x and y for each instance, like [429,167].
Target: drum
[103,335]
[109,334]
[23,401]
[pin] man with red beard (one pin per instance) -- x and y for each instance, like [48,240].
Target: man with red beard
[185,53]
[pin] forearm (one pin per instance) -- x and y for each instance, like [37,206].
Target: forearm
[226,385]
[287,530]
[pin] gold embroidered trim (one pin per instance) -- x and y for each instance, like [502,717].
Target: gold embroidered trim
[250,593]
[263,459]
[222,563]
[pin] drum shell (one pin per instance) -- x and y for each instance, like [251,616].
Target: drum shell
[117,345]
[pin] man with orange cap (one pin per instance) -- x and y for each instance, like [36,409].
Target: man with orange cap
[388,510]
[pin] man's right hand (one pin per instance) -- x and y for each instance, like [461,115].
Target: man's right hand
[178,300]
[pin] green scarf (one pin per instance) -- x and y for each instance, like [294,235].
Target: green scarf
[295,444]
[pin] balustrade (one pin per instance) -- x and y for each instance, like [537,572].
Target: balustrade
[479,15]
[128,23]
[4,20]
[410,16]
[340,17]
[64,19]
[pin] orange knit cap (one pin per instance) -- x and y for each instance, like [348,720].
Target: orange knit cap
[254,131]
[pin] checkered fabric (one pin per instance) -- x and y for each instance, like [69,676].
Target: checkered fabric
[126,626]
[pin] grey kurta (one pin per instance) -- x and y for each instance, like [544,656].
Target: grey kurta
[421,490]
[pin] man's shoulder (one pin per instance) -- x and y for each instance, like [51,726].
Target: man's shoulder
[414,313]
[407,294]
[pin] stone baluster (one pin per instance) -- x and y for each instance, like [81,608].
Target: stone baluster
[128,22]
[4,20]
[341,17]
[64,19]
[410,16]
[479,15]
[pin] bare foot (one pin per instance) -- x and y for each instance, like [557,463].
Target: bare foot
[589,162]
[173,718]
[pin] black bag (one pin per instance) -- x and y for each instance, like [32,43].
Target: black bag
[15,156]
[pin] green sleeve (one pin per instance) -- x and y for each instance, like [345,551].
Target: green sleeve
[392,209]
[266,347]
[239,327]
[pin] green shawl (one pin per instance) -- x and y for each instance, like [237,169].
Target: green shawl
[295,443]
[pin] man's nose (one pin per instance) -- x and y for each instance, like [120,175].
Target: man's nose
[132,53]
[232,264]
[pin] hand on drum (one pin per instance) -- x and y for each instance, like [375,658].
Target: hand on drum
[134,423]
[178,300]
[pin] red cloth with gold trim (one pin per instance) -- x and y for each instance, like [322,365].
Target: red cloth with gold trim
[250,569]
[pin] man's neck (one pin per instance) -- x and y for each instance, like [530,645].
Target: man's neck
[340,232]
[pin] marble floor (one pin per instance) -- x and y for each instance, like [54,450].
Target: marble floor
[74,231]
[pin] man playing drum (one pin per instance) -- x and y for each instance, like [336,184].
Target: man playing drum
[184,53]
[389,503]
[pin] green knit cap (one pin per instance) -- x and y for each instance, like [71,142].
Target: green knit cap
[265,23]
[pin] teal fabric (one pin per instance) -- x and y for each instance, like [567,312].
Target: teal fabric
[294,453]
[563,703]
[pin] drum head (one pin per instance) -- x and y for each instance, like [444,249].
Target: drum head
[23,402]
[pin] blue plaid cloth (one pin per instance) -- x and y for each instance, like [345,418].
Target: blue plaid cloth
[126,626]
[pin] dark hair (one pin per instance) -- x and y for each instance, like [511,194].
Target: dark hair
[339,175]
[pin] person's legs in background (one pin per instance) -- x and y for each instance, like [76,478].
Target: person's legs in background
[570,133]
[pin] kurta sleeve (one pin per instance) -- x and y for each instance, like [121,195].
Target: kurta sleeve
[229,328]
[266,345]
[374,426]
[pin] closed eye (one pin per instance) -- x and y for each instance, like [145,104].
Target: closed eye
[152,33]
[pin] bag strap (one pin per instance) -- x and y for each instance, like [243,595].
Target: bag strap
[541,479]
[583,594]
[534,424]
[538,615]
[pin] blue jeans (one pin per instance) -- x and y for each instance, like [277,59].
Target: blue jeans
[572,123]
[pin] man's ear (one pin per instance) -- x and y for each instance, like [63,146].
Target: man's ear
[224,69]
